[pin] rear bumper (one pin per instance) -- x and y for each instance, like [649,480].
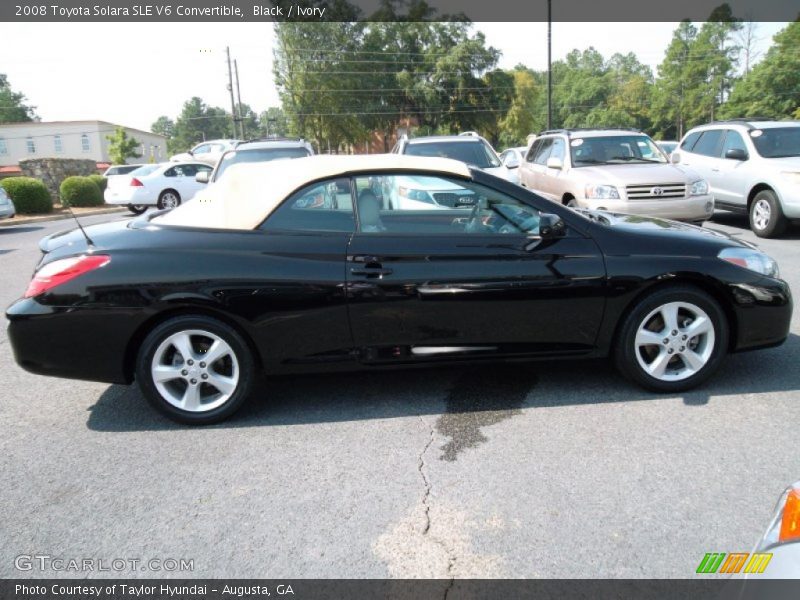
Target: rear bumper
[696,208]
[73,343]
[7,211]
[127,195]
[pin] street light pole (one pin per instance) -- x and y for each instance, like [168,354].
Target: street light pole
[230,89]
[549,66]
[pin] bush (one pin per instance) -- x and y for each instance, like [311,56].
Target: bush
[80,191]
[30,195]
[99,181]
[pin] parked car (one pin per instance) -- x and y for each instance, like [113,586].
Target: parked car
[208,152]
[667,146]
[752,166]
[511,159]
[467,147]
[7,209]
[114,170]
[267,271]
[257,151]
[618,170]
[164,185]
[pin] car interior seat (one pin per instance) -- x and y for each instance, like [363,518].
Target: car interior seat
[369,211]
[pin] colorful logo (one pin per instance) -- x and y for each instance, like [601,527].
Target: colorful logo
[716,562]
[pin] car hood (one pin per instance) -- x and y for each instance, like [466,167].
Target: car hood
[666,228]
[500,171]
[636,174]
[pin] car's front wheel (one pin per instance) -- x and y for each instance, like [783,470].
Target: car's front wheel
[195,369]
[137,209]
[766,216]
[169,199]
[672,340]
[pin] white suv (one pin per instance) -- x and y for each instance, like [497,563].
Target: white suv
[752,166]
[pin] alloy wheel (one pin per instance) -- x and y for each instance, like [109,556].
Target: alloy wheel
[195,370]
[675,341]
[762,213]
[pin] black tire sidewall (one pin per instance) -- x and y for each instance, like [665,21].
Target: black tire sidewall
[137,209]
[174,325]
[625,350]
[777,222]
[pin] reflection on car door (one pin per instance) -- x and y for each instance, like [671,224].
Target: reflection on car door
[729,180]
[445,284]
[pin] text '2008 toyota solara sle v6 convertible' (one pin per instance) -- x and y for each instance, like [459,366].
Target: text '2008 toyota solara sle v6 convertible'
[306,265]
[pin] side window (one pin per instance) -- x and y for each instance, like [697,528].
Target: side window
[208,168]
[171,172]
[543,153]
[425,204]
[189,170]
[322,206]
[709,143]
[202,149]
[533,150]
[690,141]
[733,141]
[558,149]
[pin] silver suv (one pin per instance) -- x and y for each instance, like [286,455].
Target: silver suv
[262,150]
[620,170]
[752,166]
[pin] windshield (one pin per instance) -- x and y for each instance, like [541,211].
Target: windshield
[257,155]
[145,170]
[613,150]
[471,152]
[777,142]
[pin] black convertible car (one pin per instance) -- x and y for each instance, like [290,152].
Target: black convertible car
[358,262]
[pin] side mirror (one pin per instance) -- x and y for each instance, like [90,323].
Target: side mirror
[736,154]
[554,163]
[512,162]
[675,158]
[201,177]
[551,226]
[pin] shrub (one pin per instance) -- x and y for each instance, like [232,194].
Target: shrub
[80,191]
[99,181]
[30,195]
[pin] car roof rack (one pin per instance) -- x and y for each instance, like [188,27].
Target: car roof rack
[570,130]
[269,139]
[470,133]
[748,121]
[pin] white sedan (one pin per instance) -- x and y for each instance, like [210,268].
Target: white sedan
[165,186]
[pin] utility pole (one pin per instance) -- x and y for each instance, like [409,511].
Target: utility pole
[549,66]
[239,100]
[230,89]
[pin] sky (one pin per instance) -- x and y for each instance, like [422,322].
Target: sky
[129,75]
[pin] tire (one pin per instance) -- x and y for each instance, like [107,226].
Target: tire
[168,199]
[137,209]
[766,216]
[665,358]
[173,393]
[571,202]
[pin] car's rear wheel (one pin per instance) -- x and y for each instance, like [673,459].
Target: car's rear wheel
[672,340]
[137,209]
[766,216]
[169,199]
[195,369]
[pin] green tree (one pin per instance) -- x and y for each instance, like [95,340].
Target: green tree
[198,122]
[273,122]
[165,126]
[121,147]
[12,104]
[526,114]
[772,87]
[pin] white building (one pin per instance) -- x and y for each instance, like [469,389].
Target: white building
[71,139]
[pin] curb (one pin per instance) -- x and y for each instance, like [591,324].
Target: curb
[43,218]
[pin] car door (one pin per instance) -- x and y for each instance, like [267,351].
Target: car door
[539,172]
[730,179]
[704,157]
[551,181]
[526,167]
[472,281]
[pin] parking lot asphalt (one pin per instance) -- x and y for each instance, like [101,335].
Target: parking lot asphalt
[555,469]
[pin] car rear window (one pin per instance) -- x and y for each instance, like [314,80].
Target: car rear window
[471,152]
[145,170]
[777,142]
[255,155]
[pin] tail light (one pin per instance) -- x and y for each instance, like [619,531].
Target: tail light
[136,183]
[60,271]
